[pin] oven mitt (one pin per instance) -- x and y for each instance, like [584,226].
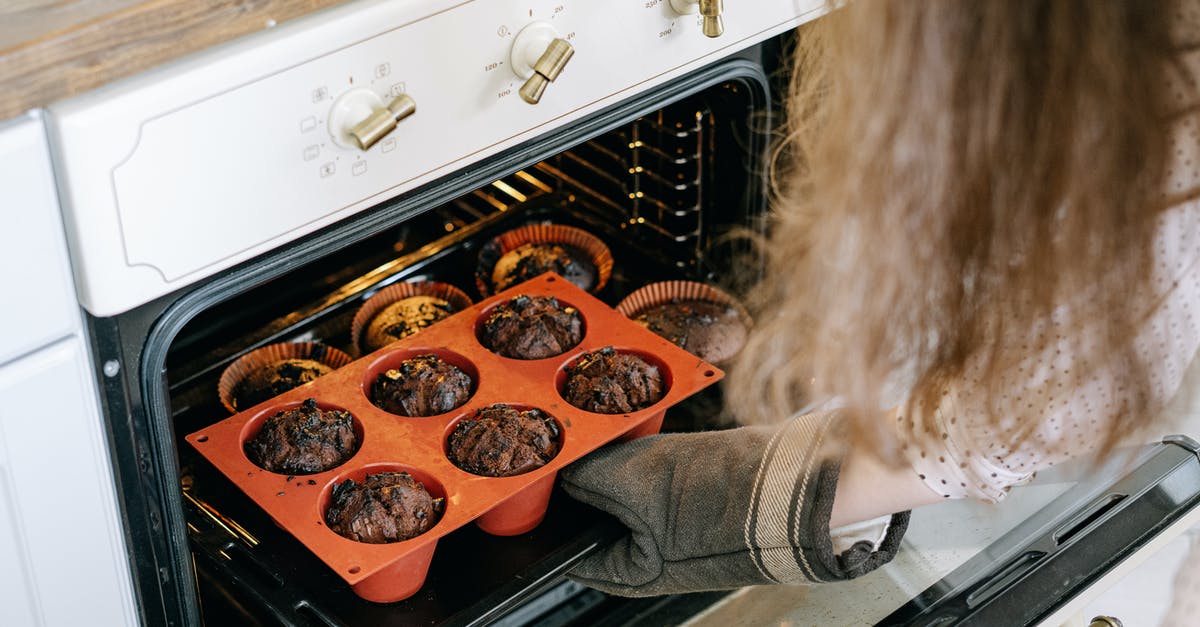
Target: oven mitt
[720,510]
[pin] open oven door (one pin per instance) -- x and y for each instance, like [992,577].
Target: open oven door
[1038,559]
[1047,568]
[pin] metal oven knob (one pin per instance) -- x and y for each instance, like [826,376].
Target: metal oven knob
[710,10]
[360,118]
[538,55]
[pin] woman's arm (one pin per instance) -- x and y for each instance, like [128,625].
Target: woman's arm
[868,488]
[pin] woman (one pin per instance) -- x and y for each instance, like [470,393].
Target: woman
[986,248]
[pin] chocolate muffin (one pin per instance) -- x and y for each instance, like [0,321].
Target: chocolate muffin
[385,507]
[608,382]
[500,441]
[707,330]
[530,260]
[403,318]
[532,327]
[274,379]
[304,440]
[425,385]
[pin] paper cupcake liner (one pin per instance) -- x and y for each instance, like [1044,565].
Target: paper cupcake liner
[579,239]
[664,292]
[272,353]
[457,298]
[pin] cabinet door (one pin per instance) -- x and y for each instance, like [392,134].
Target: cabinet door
[35,279]
[62,557]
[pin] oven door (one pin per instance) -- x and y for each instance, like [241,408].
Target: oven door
[1039,558]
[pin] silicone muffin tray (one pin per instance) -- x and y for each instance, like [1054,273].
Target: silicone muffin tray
[498,505]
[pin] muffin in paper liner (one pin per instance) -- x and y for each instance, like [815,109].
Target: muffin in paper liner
[666,292]
[591,246]
[259,358]
[380,300]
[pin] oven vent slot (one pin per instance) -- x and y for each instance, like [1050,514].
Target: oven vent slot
[1084,519]
[1015,569]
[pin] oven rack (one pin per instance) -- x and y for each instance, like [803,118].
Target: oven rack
[578,182]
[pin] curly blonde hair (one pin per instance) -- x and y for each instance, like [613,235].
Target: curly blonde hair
[951,172]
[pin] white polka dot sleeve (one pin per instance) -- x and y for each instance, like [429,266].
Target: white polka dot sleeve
[1045,384]
[1068,399]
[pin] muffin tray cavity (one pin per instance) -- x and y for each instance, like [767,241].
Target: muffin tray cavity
[499,505]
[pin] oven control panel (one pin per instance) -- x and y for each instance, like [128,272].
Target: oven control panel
[179,173]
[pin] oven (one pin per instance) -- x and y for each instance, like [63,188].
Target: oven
[261,192]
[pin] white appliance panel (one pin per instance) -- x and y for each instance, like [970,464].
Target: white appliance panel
[170,178]
[34,269]
[18,599]
[57,508]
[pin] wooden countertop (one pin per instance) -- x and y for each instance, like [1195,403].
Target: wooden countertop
[52,49]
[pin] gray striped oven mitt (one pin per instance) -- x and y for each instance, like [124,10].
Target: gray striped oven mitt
[720,510]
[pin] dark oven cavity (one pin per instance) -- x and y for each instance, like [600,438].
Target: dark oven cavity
[672,192]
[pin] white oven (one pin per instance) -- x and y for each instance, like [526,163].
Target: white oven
[261,191]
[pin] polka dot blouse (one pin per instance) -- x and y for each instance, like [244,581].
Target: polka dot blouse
[1067,397]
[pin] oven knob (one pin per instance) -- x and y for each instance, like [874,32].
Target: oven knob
[360,118]
[710,10]
[538,55]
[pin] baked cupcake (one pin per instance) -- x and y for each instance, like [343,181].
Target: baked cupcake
[609,382]
[424,385]
[400,310]
[274,369]
[530,260]
[707,330]
[501,441]
[532,327]
[386,507]
[303,440]
[530,251]
[698,318]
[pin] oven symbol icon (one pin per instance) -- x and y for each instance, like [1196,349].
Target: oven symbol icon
[328,169]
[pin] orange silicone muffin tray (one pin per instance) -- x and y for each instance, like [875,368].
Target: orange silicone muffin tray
[498,505]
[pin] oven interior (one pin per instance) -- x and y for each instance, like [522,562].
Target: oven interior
[673,193]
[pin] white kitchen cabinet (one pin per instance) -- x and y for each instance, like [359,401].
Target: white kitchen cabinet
[57,497]
[35,278]
[62,553]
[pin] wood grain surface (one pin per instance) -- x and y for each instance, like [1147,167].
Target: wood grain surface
[52,49]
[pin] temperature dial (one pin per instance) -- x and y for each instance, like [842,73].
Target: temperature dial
[538,55]
[360,118]
[710,10]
